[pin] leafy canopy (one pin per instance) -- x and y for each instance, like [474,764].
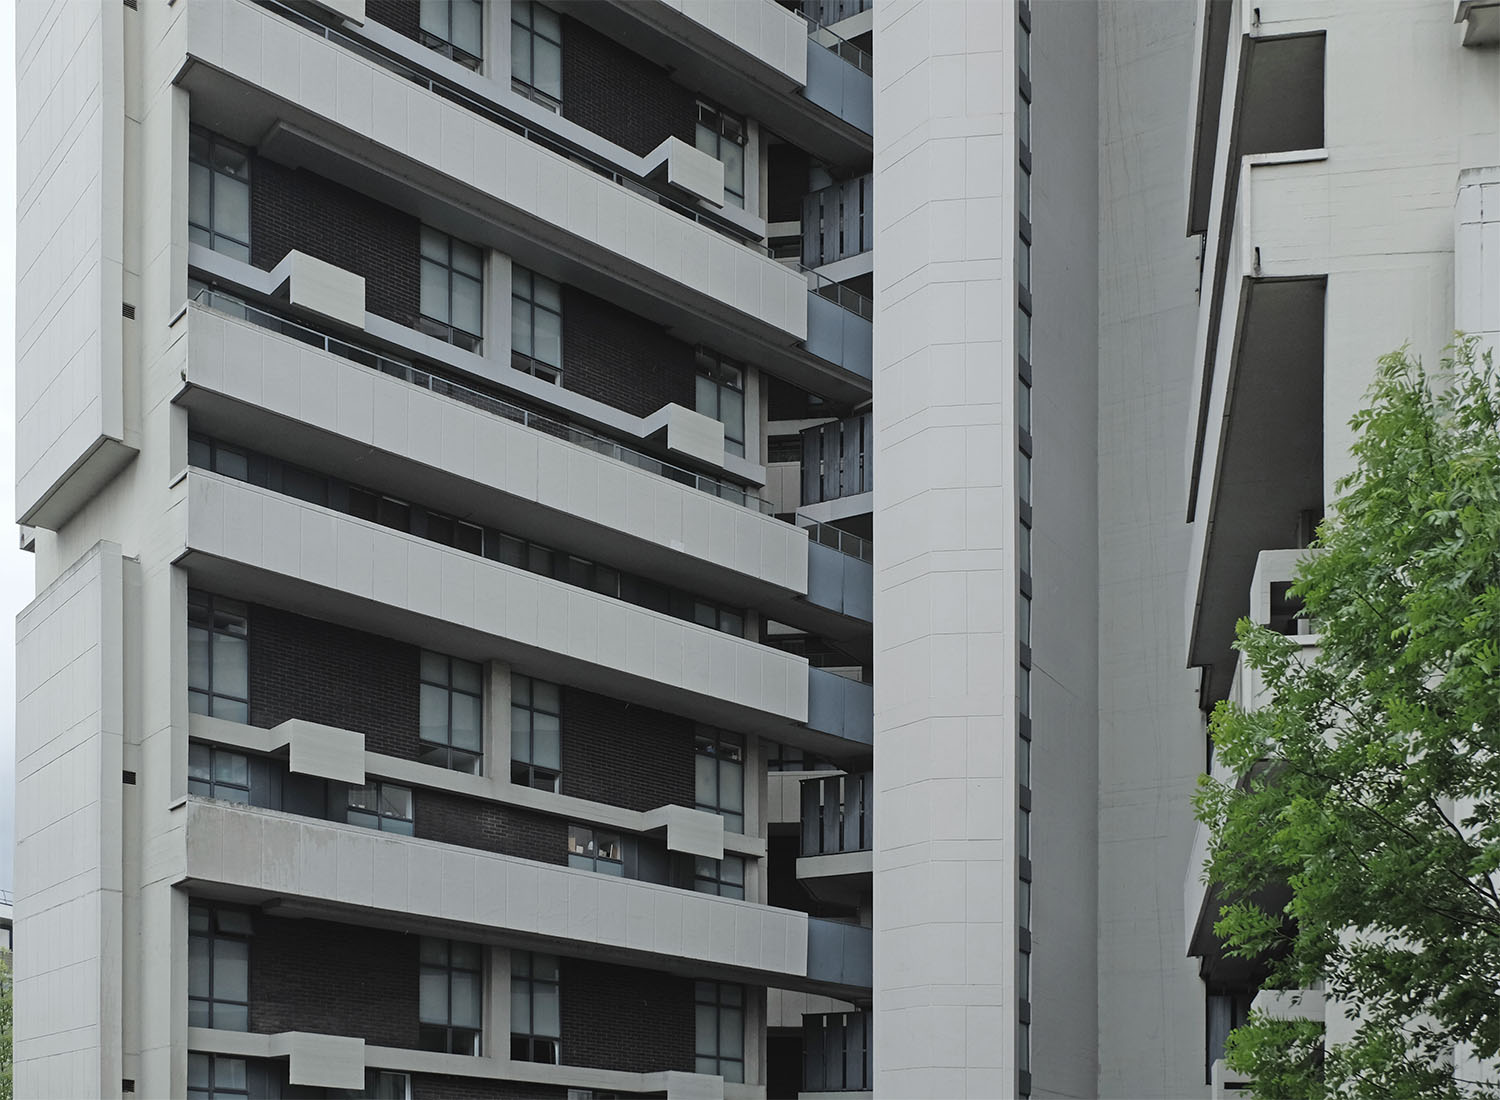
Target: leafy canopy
[1374,773]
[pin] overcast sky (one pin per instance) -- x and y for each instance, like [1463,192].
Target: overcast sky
[15,566]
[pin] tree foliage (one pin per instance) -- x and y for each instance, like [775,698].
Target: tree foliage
[7,1026]
[1373,775]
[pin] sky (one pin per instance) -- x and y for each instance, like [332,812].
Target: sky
[16,572]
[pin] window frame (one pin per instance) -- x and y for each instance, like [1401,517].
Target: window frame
[533,1046]
[219,931]
[454,1036]
[715,741]
[214,608]
[709,876]
[718,123]
[718,998]
[722,374]
[443,43]
[214,143]
[586,844]
[524,770]
[453,757]
[378,814]
[526,361]
[447,331]
[528,30]
[213,786]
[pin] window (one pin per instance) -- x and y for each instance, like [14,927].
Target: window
[725,877]
[1023,192]
[784,448]
[1023,405]
[451,998]
[1023,690]
[383,806]
[595,850]
[380,1084]
[1023,616]
[216,1076]
[786,758]
[535,1008]
[1023,334]
[218,658]
[536,53]
[722,136]
[720,1043]
[535,733]
[218,194]
[455,28]
[218,773]
[718,618]
[535,324]
[452,713]
[1023,547]
[1023,263]
[721,397]
[218,968]
[452,290]
[720,780]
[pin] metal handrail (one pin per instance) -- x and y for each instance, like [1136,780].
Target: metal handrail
[417,376]
[840,45]
[825,534]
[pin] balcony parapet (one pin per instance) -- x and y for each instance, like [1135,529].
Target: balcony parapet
[836,1051]
[838,814]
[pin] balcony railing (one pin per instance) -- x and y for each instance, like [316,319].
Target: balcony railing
[838,814]
[418,376]
[838,221]
[839,46]
[836,460]
[825,534]
[823,13]
[836,1052]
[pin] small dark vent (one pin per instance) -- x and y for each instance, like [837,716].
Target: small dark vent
[127,1085]
[131,4]
[128,778]
[127,310]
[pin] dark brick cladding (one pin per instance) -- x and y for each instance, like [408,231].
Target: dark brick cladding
[299,209]
[621,1018]
[620,95]
[452,819]
[623,360]
[312,975]
[305,668]
[625,755]
[399,15]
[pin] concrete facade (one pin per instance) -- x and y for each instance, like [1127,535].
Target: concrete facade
[455,521]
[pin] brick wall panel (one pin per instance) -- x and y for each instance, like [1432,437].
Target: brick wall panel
[319,976]
[625,755]
[426,1086]
[453,819]
[623,360]
[321,672]
[299,209]
[399,15]
[622,1018]
[620,95]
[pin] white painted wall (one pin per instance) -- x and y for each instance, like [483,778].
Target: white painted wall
[945,514]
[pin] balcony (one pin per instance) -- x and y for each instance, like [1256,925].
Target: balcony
[317,868]
[838,820]
[836,1050]
[840,78]
[838,225]
[837,471]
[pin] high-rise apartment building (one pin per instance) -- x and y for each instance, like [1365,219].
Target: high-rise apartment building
[473,656]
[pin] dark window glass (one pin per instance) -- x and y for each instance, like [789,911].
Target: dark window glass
[720,1030]
[451,996]
[452,712]
[721,396]
[536,53]
[725,877]
[218,968]
[384,806]
[218,194]
[452,290]
[218,657]
[535,1008]
[535,733]
[536,324]
[454,28]
[720,776]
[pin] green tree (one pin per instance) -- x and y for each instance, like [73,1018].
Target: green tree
[7,1026]
[1372,777]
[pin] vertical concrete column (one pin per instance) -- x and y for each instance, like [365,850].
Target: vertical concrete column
[497,722]
[945,577]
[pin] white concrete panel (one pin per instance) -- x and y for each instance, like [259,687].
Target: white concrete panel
[68,870]
[246,525]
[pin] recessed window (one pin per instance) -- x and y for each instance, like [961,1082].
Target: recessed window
[452,713]
[535,1008]
[1023,192]
[218,194]
[383,806]
[720,1030]
[380,1084]
[536,53]
[1023,547]
[719,618]
[454,28]
[218,773]
[535,325]
[725,877]
[1023,263]
[720,776]
[1023,404]
[722,136]
[599,850]
[451,999]
[1023,120]
[218,657]
[721,397]
[452,290]
[535,733]
[219,1077]
[218,968]
[1023,690]
[1023,616]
